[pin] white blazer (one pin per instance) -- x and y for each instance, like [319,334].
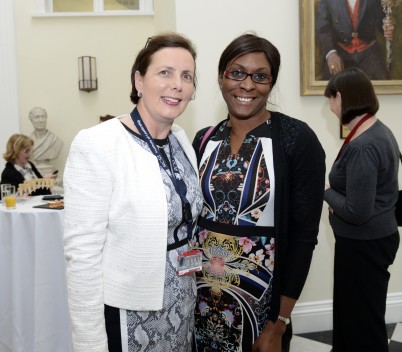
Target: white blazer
[115,234]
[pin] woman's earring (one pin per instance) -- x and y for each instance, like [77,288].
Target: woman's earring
[139,94]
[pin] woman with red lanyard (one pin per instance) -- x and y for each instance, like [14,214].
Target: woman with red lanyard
[361,196]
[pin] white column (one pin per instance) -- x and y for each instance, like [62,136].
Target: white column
[9,112]
[164,15]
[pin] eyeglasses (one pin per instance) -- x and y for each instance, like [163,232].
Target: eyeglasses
[258,77]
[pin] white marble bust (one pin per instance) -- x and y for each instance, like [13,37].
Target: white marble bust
[47,145]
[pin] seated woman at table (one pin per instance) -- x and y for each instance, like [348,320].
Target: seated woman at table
[18,167]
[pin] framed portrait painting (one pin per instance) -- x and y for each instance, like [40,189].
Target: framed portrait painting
[356,37]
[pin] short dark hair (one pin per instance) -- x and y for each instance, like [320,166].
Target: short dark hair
[250,43]
[357,93]
[154,44]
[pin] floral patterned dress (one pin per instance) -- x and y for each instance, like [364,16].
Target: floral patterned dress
[234,288]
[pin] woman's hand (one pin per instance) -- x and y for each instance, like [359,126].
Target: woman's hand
[50,176]
[53,175]
[270,339]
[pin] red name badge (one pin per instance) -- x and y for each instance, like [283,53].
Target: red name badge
[189,262]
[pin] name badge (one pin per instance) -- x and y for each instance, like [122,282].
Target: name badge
[189,262]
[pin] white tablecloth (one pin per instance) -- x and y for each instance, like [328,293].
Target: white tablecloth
[33,294]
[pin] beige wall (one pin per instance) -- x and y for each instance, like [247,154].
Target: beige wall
[47,55]
[48,48]
[212,25]
[9,122]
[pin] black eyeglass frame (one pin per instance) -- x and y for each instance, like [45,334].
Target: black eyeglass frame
[226,73]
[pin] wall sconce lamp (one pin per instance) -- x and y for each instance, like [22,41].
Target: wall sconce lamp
[88,79]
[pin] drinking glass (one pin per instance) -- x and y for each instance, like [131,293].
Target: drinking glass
[4,187]
[9,196]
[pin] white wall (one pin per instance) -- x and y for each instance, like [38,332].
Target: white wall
[212,25]
[47,55]
[47,52]
[8,76]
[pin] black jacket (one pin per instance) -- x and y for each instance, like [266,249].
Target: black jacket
[299,162]
[12,176]
[335,26]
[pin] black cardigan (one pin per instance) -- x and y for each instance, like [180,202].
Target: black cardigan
[299,162]
[12,176]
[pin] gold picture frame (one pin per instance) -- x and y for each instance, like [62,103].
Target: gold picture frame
[344,131]
[310,62]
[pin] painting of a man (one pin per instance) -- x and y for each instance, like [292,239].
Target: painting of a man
[348,32]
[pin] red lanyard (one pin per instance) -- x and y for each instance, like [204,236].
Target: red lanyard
[352,132]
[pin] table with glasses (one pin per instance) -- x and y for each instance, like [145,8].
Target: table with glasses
[34,314]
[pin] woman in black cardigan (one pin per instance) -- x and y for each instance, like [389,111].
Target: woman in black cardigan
[260,174]
[18,167]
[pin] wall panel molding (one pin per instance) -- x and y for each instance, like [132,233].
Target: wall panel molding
[317,316]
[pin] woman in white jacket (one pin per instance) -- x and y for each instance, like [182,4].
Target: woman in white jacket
[131,197]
